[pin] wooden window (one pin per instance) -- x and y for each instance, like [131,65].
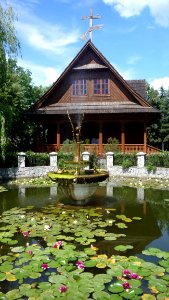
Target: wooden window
[79,87]
[101,86]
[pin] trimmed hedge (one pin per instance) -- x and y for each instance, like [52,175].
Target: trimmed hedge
[36,159]
[64,156]
[158,160]
[125,160]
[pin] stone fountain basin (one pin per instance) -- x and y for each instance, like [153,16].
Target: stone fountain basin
[68,177]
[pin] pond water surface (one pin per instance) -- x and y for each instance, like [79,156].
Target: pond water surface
[151,205]
[49,243]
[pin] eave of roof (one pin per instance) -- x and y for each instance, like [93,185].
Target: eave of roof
[95,108]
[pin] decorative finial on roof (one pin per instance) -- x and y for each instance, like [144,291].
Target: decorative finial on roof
[91,27]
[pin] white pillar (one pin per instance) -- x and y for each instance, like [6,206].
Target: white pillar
[86,158]
[53,159]
[141,159]
[109,160]
[21,160]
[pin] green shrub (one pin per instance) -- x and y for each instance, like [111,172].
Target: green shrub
[151,168]
[112,145]
[158,159]
[36,159]
[127,160]
[64,157]
[127,163]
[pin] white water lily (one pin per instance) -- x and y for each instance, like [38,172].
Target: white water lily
[75,222]
[46,227]
[22,216]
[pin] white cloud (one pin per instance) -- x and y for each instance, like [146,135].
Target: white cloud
[128,8]
[40,34]
[47,37]
[134,59]
[41,75]
[160,82]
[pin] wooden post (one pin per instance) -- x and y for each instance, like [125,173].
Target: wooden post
[123,138]
[37,145]
[100,139]
[58,136]
[145,138]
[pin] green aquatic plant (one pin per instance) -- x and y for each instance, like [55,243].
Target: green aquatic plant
[57,256]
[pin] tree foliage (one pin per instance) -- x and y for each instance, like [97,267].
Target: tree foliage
[17,92]
[158,133]
[9,46]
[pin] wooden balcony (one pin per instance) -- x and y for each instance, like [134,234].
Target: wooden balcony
[95,148]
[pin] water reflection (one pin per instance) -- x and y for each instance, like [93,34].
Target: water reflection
[150,205]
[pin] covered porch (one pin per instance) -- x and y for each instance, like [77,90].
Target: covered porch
[131,136]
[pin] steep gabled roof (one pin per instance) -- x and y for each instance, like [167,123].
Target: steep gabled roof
[131,86]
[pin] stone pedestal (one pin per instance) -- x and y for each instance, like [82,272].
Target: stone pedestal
[53,159]
[141,159]
[21,160]
[110,160]
[86,158]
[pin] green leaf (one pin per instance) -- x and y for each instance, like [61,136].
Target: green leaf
[101,295]
[123,248]
[91,263]
[18,249]
[116,288]
[121,225]
[148,297]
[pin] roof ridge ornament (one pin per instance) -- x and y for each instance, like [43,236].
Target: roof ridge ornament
[91,27]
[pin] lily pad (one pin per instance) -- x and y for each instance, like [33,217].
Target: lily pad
[123,248]
[116,288]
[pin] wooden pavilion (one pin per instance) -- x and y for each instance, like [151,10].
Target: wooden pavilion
[112,106]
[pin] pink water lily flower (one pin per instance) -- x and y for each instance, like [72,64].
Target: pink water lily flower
[45,266]
[63,288]
[126,286]
[80,265]
[126,273]
[30,252]
[58,244]
[134,276]
[55,245]
[25,233]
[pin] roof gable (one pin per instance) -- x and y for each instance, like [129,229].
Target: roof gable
[89,57]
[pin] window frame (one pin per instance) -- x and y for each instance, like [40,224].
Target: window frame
[100,82]
[79,87]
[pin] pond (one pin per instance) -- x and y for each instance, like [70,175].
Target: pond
[50,247]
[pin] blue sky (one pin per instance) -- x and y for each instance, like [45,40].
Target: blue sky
[134,37]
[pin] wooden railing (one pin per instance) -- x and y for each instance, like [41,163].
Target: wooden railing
[94,148]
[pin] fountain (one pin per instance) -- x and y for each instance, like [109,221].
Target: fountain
[80,182]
